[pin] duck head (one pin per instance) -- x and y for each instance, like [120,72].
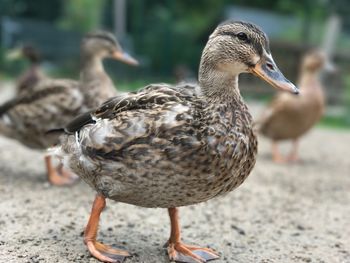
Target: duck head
[316,60]
[27,51]
[240,47]
[104,45]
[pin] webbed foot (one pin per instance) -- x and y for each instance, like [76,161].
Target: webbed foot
[106,253]
[276,155]
[57,175]
[98,250]
[293,157]
[180,252]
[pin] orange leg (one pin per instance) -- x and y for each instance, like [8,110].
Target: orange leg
[100,251]
[180,252]
[66,173]
[293,156]
[276,155]
[54,174]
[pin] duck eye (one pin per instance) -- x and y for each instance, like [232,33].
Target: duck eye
[242,36]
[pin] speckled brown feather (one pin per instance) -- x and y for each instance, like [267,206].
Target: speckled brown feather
[205,150]
[27,118]
[170,146]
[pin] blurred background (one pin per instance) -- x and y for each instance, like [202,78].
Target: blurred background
[282,213]
[168,37]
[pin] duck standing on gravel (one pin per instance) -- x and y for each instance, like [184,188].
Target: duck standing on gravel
[168,147]
[288,117]
[54,102]
[30,78]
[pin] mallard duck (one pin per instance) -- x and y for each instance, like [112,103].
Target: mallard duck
[288,117]
[54,102]
[166,146]
[30,78]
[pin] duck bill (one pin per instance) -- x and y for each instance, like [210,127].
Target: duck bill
[14,54]
[267,70]
[125,58]
[330,67]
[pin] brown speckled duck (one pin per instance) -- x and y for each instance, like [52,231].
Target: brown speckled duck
[53,102]
[167,146]
[30,78]
[288,117]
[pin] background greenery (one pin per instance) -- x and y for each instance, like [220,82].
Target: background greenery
[165,34]
[180,27]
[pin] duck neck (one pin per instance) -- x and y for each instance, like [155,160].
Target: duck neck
[35,69]
[96,86]
[309,80]
[92,68]
[219,86]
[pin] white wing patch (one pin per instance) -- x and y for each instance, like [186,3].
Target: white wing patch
[169,118]
[51,108]
[86,162]
[95,133]
[99,131]
[136,129]
[6,120]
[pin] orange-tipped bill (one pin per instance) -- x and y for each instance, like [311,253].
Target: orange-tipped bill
[14,54]
[125,58]
[267,70]
[329,66]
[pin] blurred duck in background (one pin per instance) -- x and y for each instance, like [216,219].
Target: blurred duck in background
[54,102]
[30,78]
[168,146]
[288,117]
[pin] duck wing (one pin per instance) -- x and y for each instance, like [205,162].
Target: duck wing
[28,117]
[155,118]
[147,97]
[158,135]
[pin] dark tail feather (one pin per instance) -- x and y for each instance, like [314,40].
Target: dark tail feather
[75,125]
[7,106]
[55,131]
[78,122]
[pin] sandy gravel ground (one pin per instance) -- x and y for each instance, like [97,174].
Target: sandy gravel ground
[293,213]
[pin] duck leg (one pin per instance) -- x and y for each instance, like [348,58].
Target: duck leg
[180,252]
[55,176]
[293,156]
[276,155]
[66,173]
[100,251]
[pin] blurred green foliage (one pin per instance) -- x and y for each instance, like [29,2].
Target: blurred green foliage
[174,30]
[181,27]
[347,98]
[168,33]
[81,15]
[337,122]
[48,10]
